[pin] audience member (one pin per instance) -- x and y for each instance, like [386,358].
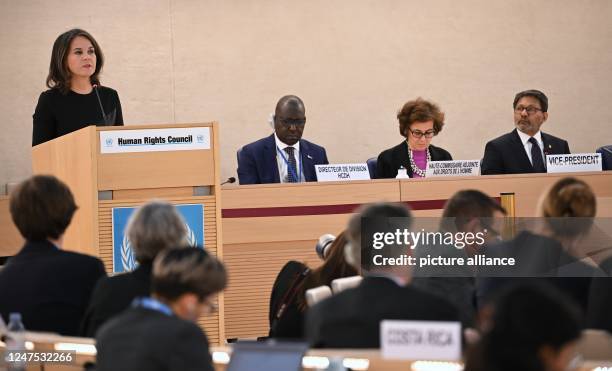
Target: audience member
[599,315]
[419,122]
[49,286]
[152,228]
[553,253]
[468,211]
[533,328]
[160,332]
[351,319]
[288,298]
[283,157]
[524,149]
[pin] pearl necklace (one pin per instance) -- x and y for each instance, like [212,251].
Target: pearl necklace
[415,169]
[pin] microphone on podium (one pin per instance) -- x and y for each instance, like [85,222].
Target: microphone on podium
[95,88]
[229,180]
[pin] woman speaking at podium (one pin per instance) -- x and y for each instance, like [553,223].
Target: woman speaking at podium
[75,98]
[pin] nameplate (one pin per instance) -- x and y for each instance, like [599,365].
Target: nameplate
[575,162]
[452,168]
[155,140]
[342,172]
[420,340]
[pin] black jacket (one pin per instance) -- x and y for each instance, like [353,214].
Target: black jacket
[144,339]
[351,319]
[390,160]
[50,287]
[506,154]
[112,295]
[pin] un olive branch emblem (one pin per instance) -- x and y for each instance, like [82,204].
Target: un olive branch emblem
[128,261]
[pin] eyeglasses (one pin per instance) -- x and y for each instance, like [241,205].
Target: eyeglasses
[291,122]
[419,134]
[530,109]
[211,306]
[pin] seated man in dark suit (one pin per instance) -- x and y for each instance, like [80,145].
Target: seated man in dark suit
[49,286]
[160,332]
[351,319]
[283,157]
[152,228]
[524,149]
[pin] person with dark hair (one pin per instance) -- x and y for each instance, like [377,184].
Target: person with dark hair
[75,98]
[49,286]
[467,211]
[283,157]
[351,318]
[159,332]
[419,121]
[288,297]
[533,328]
[154,227]
[524,149]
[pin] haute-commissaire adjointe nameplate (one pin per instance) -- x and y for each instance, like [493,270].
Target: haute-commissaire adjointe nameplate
[452,168]
[155,140]
[576,162]
[342,172]
[426,340]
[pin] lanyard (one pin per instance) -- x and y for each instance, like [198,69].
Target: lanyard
[150,303]
[298,177]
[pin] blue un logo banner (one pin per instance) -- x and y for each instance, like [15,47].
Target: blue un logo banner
[123,256]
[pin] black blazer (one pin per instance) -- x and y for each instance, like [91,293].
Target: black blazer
[49,287]
[538,258]
[390,160]
[506,154]
[144,339]
[351,319]
[112,295]
[291,323]
[600,300]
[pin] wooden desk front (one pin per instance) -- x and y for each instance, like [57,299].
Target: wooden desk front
[264,226]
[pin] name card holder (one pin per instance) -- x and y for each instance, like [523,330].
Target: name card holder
[426,340]
[573,163]
[452,168]
[342,172]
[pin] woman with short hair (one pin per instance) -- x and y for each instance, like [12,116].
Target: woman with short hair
[48,285]
[419,121]
[152,228]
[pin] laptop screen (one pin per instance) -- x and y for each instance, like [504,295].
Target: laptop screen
[266,356]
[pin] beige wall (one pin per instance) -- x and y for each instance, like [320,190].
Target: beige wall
[354,62]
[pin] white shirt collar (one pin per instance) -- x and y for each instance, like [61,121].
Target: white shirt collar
[282,145]
[525,138]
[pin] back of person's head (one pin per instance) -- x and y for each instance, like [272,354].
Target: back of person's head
[571,205]
[154,227]
[334,266]
[42,207]
[187,272]
[466,205]
[375,218]
[534,327]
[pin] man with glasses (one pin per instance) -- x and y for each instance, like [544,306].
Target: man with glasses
[283,157]
[524,149]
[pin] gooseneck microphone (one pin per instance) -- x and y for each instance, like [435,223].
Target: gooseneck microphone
[95,87]
[229,180]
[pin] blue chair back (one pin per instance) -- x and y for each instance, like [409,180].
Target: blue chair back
[606,156]
[372,167]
